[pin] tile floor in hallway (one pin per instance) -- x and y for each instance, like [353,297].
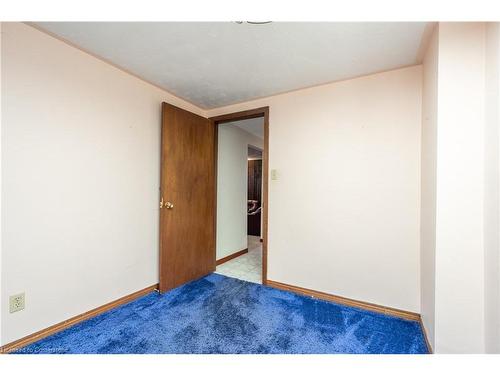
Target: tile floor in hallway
[246,267]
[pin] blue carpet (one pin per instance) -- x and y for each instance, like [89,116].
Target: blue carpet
[218,314]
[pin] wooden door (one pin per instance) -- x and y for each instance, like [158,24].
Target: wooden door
[187,206]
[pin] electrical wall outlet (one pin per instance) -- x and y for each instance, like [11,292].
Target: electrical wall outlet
[16,302]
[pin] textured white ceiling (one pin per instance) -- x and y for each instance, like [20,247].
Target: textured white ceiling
[253,126]
[213,64]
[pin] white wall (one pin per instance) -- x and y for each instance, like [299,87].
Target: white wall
[232,188]
[428,185]
[460,184]
[80,154]
[344,211]
[80,179]
[459,277]
[492,188]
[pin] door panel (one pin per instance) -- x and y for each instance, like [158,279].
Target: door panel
[187,228]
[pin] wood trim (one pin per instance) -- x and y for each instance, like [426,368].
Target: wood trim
[231,256]
[427,342]
[214,126]
[265,195]
[74,320]
[243,115]
[274,284]
[346,301]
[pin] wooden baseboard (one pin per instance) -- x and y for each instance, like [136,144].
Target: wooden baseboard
[427,342]
[231,256]
[355,303]
[15,345]
[346,301]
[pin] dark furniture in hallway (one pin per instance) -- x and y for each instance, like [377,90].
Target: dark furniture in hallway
[254,196]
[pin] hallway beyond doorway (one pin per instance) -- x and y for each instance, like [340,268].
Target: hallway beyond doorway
[248,266]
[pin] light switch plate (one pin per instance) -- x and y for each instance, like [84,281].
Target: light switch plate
[16,302]
[274,174]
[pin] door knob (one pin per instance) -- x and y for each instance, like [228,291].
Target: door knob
[169,205]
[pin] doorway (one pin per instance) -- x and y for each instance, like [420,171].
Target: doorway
[188,194]
[241,198]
